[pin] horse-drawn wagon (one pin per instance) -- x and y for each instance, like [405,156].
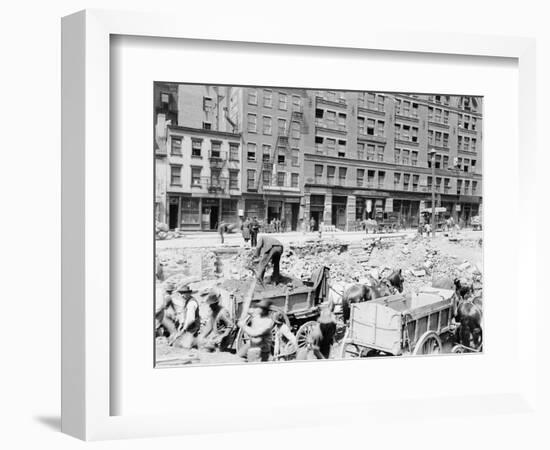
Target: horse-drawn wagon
[398,324]
[299,306]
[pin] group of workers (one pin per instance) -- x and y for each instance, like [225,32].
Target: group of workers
[268,332]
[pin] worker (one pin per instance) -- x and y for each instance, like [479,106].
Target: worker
[285,343]
[260,333]
[165,314]
[321,338]
[218,325]
[222,229]
[187,307]
[268,250]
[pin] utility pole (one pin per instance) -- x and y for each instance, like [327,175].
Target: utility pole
[432,153]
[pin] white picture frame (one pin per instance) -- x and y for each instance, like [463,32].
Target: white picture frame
[86,256]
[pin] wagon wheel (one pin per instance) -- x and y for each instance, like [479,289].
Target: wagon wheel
[350,350]
[303,333]
[428,344]
[458,349]
[243,339]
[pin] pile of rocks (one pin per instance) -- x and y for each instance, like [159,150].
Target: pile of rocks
[162,232]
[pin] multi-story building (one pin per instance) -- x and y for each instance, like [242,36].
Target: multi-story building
[370,157]
[273,123]
[198,159]
[338,157]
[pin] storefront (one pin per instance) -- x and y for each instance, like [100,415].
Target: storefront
[195,213]
[339,204]
[316,210]
[408,210]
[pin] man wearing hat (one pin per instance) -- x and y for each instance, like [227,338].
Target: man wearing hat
[259,331]
[218,325]
[187,308]
[321,337]
[268,250]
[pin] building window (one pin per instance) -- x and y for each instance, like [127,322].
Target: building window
[380,103]
[466,143]
[361,125]
[250,178]
[474,187]
[164,97]
[296,130]
[370,178]
[371,100]
[414,134]
[252,97]
[281,160]
[341,148]
[370,127]
[370,152]
[360,151]
[473,142]
[396,179]
[414,158]
[267,125]
[196,176]
[342,172]
[415,182]
[319,144]
[397,156]
[380,128]
[360,177]
[251,152]
[294,180]
[233,151]
[281,179]
[405,157]
[283,100]
[445,139]
[268,98]
[175,175]
[445,161]
[196,148]
[446,117]
[295,154]
[206,126]
[215,151]
[331,144]
[281,126]
[415,109]
[176,146]
[380,154]
[266,177]
[381,179]
[331,170]
[207,104]
[296,103]
[459,187]
[233,179]
[331,119]
[361,99]
[215,177]
[318,174]
[342,117]
[446,185]
[406,181]
[319,113]
[251,123]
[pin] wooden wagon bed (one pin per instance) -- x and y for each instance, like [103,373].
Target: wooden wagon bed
[398,324]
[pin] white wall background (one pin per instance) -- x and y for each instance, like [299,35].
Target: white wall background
[30,186]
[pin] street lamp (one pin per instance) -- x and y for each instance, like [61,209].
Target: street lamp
[432,154]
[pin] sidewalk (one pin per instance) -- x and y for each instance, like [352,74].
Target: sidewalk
[212,239]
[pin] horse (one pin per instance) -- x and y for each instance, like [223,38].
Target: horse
[394,281]
[469,314]
[358,293]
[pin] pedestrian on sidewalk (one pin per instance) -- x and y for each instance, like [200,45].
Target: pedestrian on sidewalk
[245,229]
[254,230]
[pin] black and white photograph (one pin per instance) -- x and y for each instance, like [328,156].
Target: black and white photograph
[298,224]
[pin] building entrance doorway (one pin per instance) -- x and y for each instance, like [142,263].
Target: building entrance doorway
[173,212]
[214,214]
